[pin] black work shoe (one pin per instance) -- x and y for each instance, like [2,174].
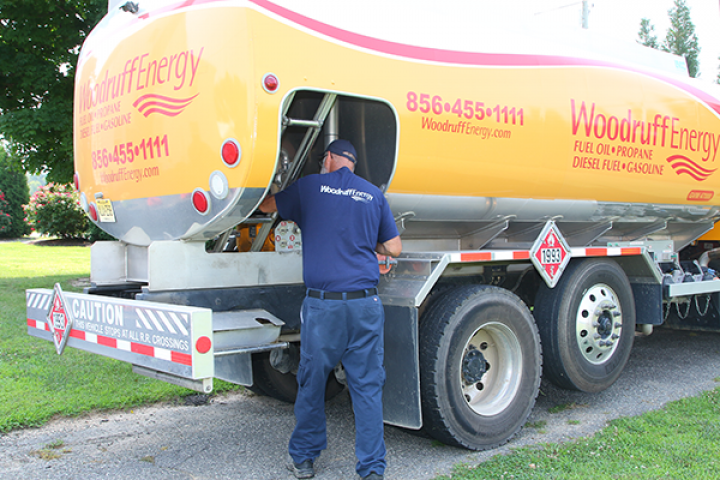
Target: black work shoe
[304,469]
[373,476]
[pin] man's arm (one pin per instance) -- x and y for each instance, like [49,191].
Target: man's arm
[392,247]
[268,205]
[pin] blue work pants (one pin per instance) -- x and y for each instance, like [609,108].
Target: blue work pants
[351,332]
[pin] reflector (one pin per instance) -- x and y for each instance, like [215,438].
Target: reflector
[219,185]
[230,152]
[270,83]
[93,212]
[200,201]
[203,344]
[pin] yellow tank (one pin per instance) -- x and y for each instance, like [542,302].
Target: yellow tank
[188,114]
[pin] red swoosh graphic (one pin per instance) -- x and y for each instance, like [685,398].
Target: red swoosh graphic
[682,164]
[691,173]
[164,112]
[168,106]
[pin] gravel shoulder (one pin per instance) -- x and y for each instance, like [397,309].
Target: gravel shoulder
[245,437]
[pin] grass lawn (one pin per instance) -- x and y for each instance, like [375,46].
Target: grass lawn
[35,382]
[681,441]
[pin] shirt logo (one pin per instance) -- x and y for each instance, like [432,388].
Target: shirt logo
[356,195]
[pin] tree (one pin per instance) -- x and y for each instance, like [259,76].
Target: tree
[15,189]
[646,34]
[680,39]
[39,46]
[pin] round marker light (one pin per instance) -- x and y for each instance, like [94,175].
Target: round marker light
[93,212]
[270,83]
[230,152]
[201,201]
[203,345]
[76,182]
[219,186]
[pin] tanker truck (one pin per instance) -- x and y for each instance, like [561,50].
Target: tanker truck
[555,195]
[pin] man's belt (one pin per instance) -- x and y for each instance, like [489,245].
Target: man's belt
[322,295]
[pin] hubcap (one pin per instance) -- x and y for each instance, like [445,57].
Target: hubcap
[598,324]
[474,366]
[491,369]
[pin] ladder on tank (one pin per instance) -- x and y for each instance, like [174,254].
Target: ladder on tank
[314,128]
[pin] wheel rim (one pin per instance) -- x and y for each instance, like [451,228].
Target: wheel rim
[490,369]
[598,324]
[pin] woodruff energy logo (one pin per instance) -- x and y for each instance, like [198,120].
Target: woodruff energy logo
[141,72]
[356,195]
[642,134]
[99,99]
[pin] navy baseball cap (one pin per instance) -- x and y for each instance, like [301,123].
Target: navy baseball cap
[343,148]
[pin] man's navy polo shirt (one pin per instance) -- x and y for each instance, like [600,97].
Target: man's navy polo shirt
[342,217]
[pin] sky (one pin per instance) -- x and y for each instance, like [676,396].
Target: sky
[621,18]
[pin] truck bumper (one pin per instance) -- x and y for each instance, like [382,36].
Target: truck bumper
[178,344]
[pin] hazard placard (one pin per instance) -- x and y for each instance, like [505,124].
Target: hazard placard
[59,319]
[550,254]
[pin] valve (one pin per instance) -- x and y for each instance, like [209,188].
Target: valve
[385,262]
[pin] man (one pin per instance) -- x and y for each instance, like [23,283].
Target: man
[344,220]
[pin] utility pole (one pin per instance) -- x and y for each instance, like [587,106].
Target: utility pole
[585,11]
[585,14]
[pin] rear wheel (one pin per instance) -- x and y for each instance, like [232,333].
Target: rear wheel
[283,386]
[480,365]
[587,325]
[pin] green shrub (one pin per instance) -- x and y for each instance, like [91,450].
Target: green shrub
[55,210]
[14,186]
[5,219]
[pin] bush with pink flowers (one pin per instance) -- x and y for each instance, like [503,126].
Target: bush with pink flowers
[55,210]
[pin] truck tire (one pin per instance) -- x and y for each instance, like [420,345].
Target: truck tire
[480,366]
[283,386]
[587,325]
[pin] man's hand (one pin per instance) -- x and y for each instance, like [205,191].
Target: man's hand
[392,247]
